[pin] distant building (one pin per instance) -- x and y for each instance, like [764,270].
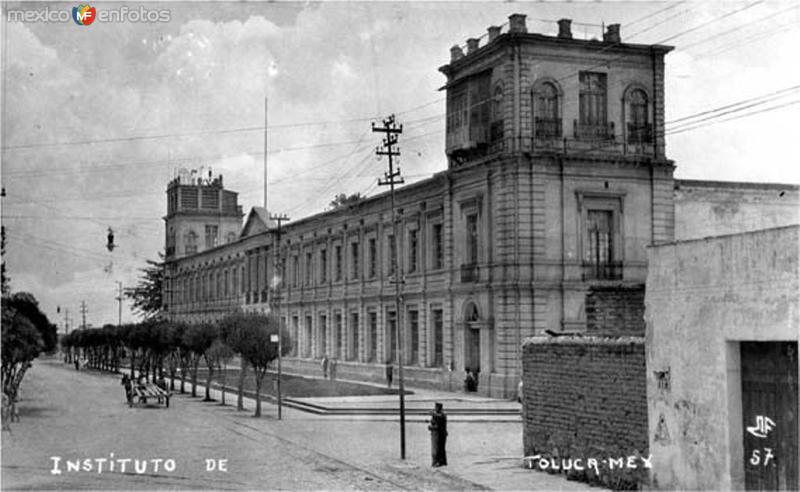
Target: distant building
[723,326]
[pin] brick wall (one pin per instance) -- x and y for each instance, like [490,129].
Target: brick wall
[585,397]
[615,311]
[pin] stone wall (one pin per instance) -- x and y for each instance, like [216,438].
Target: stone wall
[585,397]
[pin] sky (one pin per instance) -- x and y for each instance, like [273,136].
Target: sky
[96,119]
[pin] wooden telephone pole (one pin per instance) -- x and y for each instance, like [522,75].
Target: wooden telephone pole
[276,301]
[392,178]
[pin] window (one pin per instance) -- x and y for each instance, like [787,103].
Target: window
[438,247]
[599,247]
[413,328]
[322,343]
[593,120]
[235,280]
[547,123]
[309,267]
[296,270]
[391,335]
[354,341]
[337,336]
[190,242]
[639,131]
[412,250]
[373,336]
[437,320]
[323,266]
[243,286]
[390,256]
[354,265]
[457,117]
[226,284]
[496,132]
[295,333]
[337,266]
[211,235]
[307,338]
[230,237]
[373,258]
[472,239]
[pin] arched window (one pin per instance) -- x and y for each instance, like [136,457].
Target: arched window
[497,113]
[546,107]
[639,128]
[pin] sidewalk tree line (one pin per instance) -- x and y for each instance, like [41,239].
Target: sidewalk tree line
[156,348]
[26,333]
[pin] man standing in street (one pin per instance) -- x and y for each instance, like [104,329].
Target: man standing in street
[438,428]
[389,370]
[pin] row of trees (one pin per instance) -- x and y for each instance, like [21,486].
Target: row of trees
[26,333]
[156,348]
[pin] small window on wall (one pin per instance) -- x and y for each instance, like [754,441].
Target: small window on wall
[472,239]
[437,247]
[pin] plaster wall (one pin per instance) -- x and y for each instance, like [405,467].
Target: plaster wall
[703,298]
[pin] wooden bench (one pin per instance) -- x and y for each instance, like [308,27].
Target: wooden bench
[140,394]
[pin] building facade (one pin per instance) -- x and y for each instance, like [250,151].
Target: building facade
[557,182]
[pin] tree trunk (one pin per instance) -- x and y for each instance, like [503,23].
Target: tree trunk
[208,383]
[240,388]
[222,373]
[258,394]
[133,362]
[195,367]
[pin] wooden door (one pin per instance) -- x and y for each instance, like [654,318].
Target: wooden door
[769,410]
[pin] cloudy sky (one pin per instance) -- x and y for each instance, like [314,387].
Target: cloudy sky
[96,119]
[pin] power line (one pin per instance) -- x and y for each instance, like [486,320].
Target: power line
[770,95]
[773,108]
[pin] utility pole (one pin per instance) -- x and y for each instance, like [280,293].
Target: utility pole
[119,301]
[278,261]
[265,153]
[66,320]
[83,315]
[392,178]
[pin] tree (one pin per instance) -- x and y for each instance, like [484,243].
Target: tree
[147,294]
[342,200]
[252,342]
[26,332]
[198,339]
[220,354]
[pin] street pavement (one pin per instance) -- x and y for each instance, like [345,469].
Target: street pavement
[83,416]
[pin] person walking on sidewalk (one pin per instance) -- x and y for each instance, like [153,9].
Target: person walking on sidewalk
[333,364]
[325,363]
[389,370]
[438,428]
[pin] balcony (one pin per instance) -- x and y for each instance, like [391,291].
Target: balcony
[594,131]
[611,270]
[547,128]
[640,134]
[469,273]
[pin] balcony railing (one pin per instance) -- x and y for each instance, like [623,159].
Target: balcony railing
[640,134]
[547,127]
[469,273]
[593,131]
[611,270]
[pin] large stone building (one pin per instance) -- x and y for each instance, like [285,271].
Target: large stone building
[557,182]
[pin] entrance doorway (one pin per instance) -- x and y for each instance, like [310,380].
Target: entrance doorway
[769,411]
[472,345]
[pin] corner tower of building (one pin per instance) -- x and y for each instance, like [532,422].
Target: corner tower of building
[515,91]
[201,215]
